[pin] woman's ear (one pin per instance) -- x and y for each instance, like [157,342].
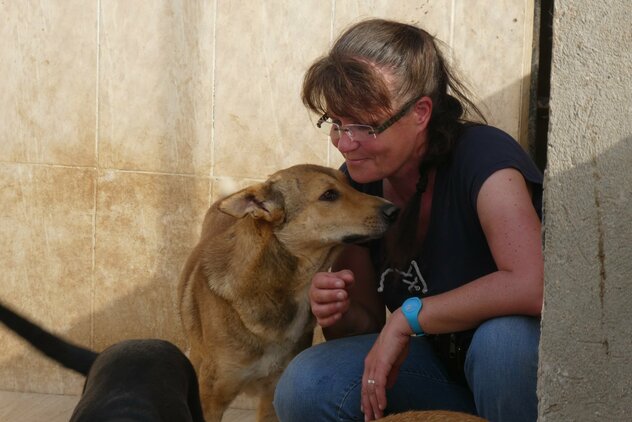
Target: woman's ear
[423,110]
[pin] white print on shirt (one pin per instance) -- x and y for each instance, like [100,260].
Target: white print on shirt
[412,280]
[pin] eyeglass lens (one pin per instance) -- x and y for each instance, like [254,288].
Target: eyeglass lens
[358,133]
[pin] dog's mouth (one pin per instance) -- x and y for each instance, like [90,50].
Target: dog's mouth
[356,238]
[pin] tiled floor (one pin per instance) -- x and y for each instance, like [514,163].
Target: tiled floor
[31,407]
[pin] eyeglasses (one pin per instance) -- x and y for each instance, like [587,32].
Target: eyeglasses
[357,132]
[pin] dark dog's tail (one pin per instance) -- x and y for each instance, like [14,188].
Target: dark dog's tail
[67,354]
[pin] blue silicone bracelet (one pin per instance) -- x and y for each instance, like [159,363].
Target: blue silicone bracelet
[411,308]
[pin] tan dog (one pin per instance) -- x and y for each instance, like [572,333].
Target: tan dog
[243,292]
[432,416]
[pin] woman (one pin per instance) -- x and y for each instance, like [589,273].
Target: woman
[467,243]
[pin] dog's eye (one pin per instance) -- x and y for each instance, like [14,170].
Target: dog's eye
[330,195]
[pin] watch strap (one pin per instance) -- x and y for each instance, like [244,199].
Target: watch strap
[411,309]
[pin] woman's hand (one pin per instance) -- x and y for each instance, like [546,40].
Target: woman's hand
[329,296]
[381,365]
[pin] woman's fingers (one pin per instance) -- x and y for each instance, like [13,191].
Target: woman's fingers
[373,399]
[328,296]
[373,389]
[366,394]
[381,365]
[374,396]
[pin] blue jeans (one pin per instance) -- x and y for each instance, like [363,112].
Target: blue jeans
[323,382]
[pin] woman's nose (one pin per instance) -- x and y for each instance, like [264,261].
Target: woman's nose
[346,143]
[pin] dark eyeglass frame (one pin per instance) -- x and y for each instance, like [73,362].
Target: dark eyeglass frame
[381,127]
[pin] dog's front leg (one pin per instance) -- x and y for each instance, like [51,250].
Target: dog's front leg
[214,403]
[265,409]
[216,393]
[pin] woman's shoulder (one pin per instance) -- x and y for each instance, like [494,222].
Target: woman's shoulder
[483,145]
[477,137]
[482,150]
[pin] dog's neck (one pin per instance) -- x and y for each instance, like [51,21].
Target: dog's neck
[268,284]
[316,258]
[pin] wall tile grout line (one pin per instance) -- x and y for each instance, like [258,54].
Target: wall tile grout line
[96,181]
[213,108]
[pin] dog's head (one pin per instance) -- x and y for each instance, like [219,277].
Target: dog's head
[309,206]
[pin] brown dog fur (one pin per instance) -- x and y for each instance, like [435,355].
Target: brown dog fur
[243,291]
[432,416]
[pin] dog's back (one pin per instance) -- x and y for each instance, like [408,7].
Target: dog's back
[432,416]
[140,380]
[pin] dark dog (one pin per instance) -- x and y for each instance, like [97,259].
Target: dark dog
[134,380]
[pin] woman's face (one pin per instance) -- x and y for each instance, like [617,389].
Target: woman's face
[393,153]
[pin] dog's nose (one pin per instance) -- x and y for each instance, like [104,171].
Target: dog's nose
[390,211]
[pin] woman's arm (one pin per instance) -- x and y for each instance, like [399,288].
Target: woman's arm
[513,231]
[345,301]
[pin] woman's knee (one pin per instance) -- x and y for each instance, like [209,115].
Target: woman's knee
[316,383]
[501,368]
[297,386]
[510,340]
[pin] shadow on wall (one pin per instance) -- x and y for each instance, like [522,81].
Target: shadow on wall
[146,225]
[586,333]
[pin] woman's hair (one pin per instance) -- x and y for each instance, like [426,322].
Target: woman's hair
[375,67]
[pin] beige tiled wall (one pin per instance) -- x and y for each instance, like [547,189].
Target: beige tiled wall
[120,121]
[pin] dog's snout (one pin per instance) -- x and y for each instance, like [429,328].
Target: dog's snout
[390,212]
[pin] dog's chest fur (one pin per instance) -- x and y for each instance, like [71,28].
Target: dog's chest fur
[275,355]
[264,283]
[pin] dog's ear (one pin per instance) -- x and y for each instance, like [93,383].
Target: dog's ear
[258,201]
